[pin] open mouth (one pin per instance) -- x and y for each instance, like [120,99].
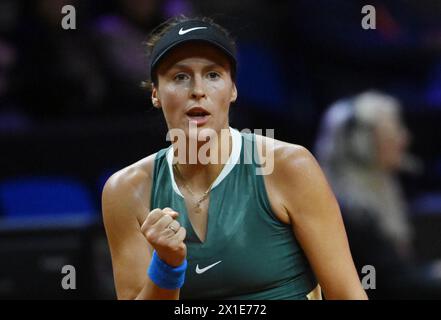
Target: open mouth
[198,115]
[197,112]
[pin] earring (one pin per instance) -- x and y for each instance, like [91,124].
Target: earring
[156,103]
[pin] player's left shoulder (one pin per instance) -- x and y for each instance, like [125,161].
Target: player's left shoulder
[297,181]
[289,158]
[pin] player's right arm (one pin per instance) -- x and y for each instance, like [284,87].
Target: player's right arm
[128,227]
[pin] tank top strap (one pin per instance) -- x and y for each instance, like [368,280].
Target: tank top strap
[256,173]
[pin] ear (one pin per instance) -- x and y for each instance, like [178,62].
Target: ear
[233,93]
[155,99]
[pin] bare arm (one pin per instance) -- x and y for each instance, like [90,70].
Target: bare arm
[122,204]
[317,223]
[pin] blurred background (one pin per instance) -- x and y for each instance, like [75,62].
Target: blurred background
[72,112]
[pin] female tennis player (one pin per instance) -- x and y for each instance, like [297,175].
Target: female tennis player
[182,229]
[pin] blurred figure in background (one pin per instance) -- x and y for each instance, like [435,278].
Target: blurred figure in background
[59,75]
[120,44]
[362,146]
[12,116]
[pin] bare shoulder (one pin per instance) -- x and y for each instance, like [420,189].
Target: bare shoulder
[289,158]
[127,191]
[295,179]
[125,204]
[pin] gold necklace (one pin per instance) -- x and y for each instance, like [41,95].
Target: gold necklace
[201,199]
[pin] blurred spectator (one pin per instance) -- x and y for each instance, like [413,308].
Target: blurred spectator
[59,72]
[7,62]
[11,116]
[342,58]
[120,39]
[361,147]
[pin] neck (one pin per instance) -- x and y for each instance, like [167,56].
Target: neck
[203,160]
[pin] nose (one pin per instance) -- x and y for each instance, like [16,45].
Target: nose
[198,90]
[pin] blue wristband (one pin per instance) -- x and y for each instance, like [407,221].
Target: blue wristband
[164,275]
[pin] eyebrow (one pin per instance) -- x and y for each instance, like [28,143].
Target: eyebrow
[185,66]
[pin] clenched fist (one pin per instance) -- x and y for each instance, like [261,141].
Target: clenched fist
[165,235]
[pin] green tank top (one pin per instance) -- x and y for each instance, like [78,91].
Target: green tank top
[248,253]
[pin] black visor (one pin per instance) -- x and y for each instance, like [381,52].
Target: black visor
[192,30]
